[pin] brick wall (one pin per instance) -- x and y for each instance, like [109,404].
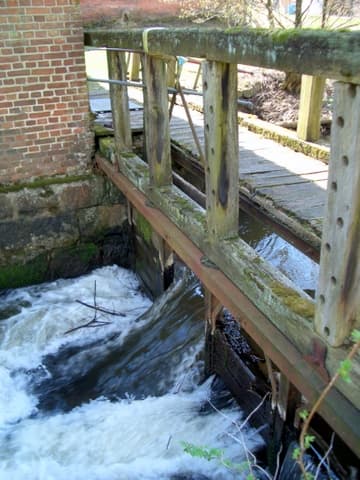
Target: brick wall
[44,119]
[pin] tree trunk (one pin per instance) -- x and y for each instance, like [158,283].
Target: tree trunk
[292,82]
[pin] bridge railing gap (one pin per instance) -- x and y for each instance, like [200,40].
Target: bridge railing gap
[277,302]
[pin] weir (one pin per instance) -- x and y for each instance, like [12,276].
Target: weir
[66,209]
[305,339]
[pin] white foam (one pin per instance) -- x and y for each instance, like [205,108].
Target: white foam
[138,439]
[101,440]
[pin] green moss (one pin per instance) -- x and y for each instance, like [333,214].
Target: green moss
[101,131]
[44,182]
[85,252]
[299,305]
[20,275]
[144,228]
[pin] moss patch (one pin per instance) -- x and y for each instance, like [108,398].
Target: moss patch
[143,228]
[299,305]
[44,182]
[20,275]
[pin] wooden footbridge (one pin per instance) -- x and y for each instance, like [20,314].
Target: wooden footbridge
[304,338]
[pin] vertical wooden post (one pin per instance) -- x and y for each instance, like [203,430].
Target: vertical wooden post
[156,121]
[221,145]
[171,72]
[311,96]
[338,292]
[119,102]
[134,67]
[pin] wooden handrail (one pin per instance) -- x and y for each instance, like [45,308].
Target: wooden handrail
[325,53]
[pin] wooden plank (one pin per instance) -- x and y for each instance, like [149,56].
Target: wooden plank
[337,409]
[156,119]
[308,51]
[119,102]
[134,67]
[311,96]
[338,294]
[221,147]
[284,304]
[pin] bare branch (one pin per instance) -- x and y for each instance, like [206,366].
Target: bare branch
[92,324]
[102,309]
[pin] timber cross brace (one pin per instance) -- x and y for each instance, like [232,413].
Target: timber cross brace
[282,319]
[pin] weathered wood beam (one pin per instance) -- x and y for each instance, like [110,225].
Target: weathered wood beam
[338,293]
[222,149]
[313,52]
[311,96]
[134,67]
[280,326]
[285,305]
[119,102]
[156,121]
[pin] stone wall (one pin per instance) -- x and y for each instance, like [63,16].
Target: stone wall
[61,229]
[44,108]
[57,219]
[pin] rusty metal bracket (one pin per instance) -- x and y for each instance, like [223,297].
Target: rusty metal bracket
[317,358]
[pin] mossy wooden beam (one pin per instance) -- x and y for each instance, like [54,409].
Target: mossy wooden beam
[284,304]
[270,308]
[222,149]
[332,54]
[156,121]
[338,294]
[119,102]
[134,67]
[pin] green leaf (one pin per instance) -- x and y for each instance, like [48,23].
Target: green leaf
[308,440]
[345,369]
[202,452]
[303,414]
[355,336]
[309,476]
[296,454]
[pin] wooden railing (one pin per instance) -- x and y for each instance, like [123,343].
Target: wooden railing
[336,310]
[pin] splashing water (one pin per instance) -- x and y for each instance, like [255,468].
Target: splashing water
[112,402]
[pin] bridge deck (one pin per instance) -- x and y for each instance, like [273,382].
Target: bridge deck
[288,185]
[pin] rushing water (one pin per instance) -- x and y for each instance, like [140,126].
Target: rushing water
[112,401]
[115,398]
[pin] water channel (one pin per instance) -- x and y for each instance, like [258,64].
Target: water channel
[115,401]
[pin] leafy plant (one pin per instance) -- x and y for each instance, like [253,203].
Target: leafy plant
[344,373]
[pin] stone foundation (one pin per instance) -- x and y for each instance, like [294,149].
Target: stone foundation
[61,228]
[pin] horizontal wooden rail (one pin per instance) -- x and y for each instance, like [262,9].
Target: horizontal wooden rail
[329,54]
[178,220]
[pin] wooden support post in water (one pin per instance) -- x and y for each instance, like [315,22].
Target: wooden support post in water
[311,96]
[134,67]
[119,102]
[156,121]
[221,145]
[338,293]
[212,309]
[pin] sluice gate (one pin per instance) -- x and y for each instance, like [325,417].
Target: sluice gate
[305,339]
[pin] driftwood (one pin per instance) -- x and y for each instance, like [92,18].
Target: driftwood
[95,322]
